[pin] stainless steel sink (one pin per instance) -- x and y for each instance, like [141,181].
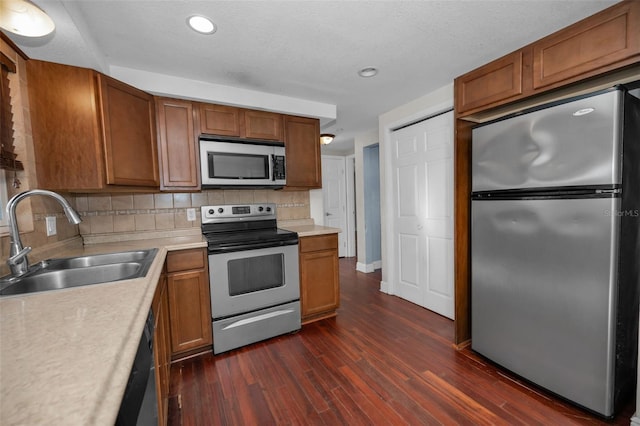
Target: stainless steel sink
[97,259]
[54,274]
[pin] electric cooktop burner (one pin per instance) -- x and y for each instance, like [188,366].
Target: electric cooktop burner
[243,227]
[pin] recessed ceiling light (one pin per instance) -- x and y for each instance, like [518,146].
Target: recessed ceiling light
[24,18]
[201,24]
[368,72]
[583,111]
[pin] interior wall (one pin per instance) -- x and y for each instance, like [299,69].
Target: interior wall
[430,104]
[360,142]
[371,165]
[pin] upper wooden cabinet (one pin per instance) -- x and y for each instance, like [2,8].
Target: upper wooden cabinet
[601,43]
[219,120]
[261,125]
[497,81]
[302,145]
[179,158]
[597,44]
[225,120]
[90,132]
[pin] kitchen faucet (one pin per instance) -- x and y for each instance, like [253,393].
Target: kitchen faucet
[18,262]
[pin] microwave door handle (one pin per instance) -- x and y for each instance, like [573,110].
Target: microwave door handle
[273,167]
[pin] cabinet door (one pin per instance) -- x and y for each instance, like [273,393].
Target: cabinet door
[66,135]
[219,120]
[302,145]
[320,290]
[129,133]
[162,348]
[496,82]
[607,40]
[178,145]
[261,125]
[319,282]
[190,310]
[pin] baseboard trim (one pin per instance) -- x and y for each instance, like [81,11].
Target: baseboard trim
[368,267]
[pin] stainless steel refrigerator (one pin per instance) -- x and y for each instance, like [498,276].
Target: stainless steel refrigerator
[555,246]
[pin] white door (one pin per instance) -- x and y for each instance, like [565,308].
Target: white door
[333,191]
[423,213]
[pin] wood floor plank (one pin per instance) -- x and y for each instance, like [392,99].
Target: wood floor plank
[381,361]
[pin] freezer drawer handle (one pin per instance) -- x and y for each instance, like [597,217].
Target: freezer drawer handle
[258,318]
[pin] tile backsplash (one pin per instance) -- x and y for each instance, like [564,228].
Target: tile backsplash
[118,213]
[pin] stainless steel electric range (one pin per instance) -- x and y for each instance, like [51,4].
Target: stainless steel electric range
[253,274]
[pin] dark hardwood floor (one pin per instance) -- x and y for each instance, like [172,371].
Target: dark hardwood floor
[382,361]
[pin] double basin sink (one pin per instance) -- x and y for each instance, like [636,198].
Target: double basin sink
[54,274]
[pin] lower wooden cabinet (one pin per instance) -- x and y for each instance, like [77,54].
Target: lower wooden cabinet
[189,301]
[162,348]
[319,282]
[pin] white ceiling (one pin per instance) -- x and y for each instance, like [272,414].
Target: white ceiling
[309,50]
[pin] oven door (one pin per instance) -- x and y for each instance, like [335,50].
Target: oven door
[245,281]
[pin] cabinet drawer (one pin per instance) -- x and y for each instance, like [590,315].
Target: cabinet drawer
[320,242]
[183,260]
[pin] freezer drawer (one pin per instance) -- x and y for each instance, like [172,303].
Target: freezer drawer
[551,147]
[543,293]
[241,330]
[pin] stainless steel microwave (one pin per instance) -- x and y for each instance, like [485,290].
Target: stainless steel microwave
[242,164]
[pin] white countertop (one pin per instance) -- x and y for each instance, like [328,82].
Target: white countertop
[65,355]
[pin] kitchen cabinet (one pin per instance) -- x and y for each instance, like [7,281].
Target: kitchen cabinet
[319,282]
[222,120]
[302,145]
[261,125]
[162,347]
[90,132]
[601,43]
[219,120]
[496,82]
[189,301]
[178,144]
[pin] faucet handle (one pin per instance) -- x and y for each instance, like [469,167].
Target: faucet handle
[17,258]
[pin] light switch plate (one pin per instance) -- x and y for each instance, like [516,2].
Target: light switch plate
[191,215]
[51,225]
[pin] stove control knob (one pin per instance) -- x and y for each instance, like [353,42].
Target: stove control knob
[211,211]
[260,208]
[268,209]
[220,210]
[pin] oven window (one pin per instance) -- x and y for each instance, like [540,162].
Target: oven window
[238,166]
[255,273]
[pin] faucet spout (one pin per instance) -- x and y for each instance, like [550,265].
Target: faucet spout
[18,262]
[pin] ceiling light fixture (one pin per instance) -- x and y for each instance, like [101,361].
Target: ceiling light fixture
[24,18]
[368,72]
[326,138]
[201,24]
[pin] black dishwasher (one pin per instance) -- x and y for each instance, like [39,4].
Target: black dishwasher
[139,404]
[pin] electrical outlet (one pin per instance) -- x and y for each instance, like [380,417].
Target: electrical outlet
[191,215]
[51,225]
